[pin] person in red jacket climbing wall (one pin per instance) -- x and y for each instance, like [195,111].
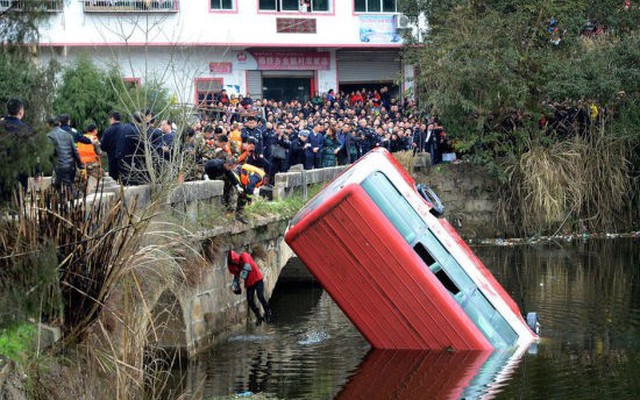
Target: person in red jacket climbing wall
[242,266]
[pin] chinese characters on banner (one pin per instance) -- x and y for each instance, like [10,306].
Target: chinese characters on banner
[220,67]
[288,61]
[378,29]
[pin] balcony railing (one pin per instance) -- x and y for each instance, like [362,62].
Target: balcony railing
[31,5]
[131,6]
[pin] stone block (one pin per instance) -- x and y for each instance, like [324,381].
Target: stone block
[279,192]
[48,335]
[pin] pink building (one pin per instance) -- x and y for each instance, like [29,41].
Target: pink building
[268,48]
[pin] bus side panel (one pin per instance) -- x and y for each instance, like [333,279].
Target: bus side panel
[377,279]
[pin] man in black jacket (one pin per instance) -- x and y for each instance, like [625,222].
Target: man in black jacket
[17,144]
[251,130]
[368,137]
[65,121]
[130,153]
[109,140]
[298,146]
[66,155]
[418,142]
[279,152]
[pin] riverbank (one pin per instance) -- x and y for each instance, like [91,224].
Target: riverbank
[469,194]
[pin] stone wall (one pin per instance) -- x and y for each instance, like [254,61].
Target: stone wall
[470,198]
[210,308]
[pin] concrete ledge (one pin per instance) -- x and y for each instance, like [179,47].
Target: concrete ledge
[189,198]
[286,183]
[196,191]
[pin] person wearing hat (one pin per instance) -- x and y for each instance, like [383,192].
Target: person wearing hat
[243,266]
[251,130]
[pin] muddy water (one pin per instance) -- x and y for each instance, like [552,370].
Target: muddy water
[587,295]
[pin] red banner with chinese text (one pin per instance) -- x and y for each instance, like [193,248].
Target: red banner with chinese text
[292,61]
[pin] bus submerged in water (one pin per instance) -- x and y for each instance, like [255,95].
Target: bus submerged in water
[401,274]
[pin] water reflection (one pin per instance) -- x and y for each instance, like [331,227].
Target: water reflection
[586,294]
[388,374]
[307,353]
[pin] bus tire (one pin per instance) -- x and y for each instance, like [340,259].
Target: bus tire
[437,208]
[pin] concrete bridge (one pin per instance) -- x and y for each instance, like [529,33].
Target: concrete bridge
[191,314]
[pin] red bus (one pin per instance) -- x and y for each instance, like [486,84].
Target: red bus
[400,273]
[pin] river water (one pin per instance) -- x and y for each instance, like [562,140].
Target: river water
[586,293]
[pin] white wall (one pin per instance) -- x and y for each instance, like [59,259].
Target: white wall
[196,24]
[176,67]
[176,48]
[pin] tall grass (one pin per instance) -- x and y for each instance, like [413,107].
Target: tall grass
[96,270]
[578,185]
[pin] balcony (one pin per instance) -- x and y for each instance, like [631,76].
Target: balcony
[31,5]
[131,6]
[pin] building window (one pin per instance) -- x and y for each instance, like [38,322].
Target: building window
[222,4]
[130,6]
[131,83]
[34,6]
[375,6]
[294,5]
[207,90]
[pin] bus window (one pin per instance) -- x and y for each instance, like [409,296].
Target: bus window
[490,321]
[424,254]
[447,282]
[394,206]
[431,242]
[454,272]
[436,268]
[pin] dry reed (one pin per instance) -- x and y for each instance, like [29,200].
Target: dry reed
[582,184]
[113,263]
[406,159]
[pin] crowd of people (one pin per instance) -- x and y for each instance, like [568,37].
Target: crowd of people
[246,142]
[327,130]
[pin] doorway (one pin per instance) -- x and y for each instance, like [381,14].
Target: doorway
[288,85]
[286,89]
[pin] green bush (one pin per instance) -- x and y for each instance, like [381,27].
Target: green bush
[17,343]
[29,287]
[88,93]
